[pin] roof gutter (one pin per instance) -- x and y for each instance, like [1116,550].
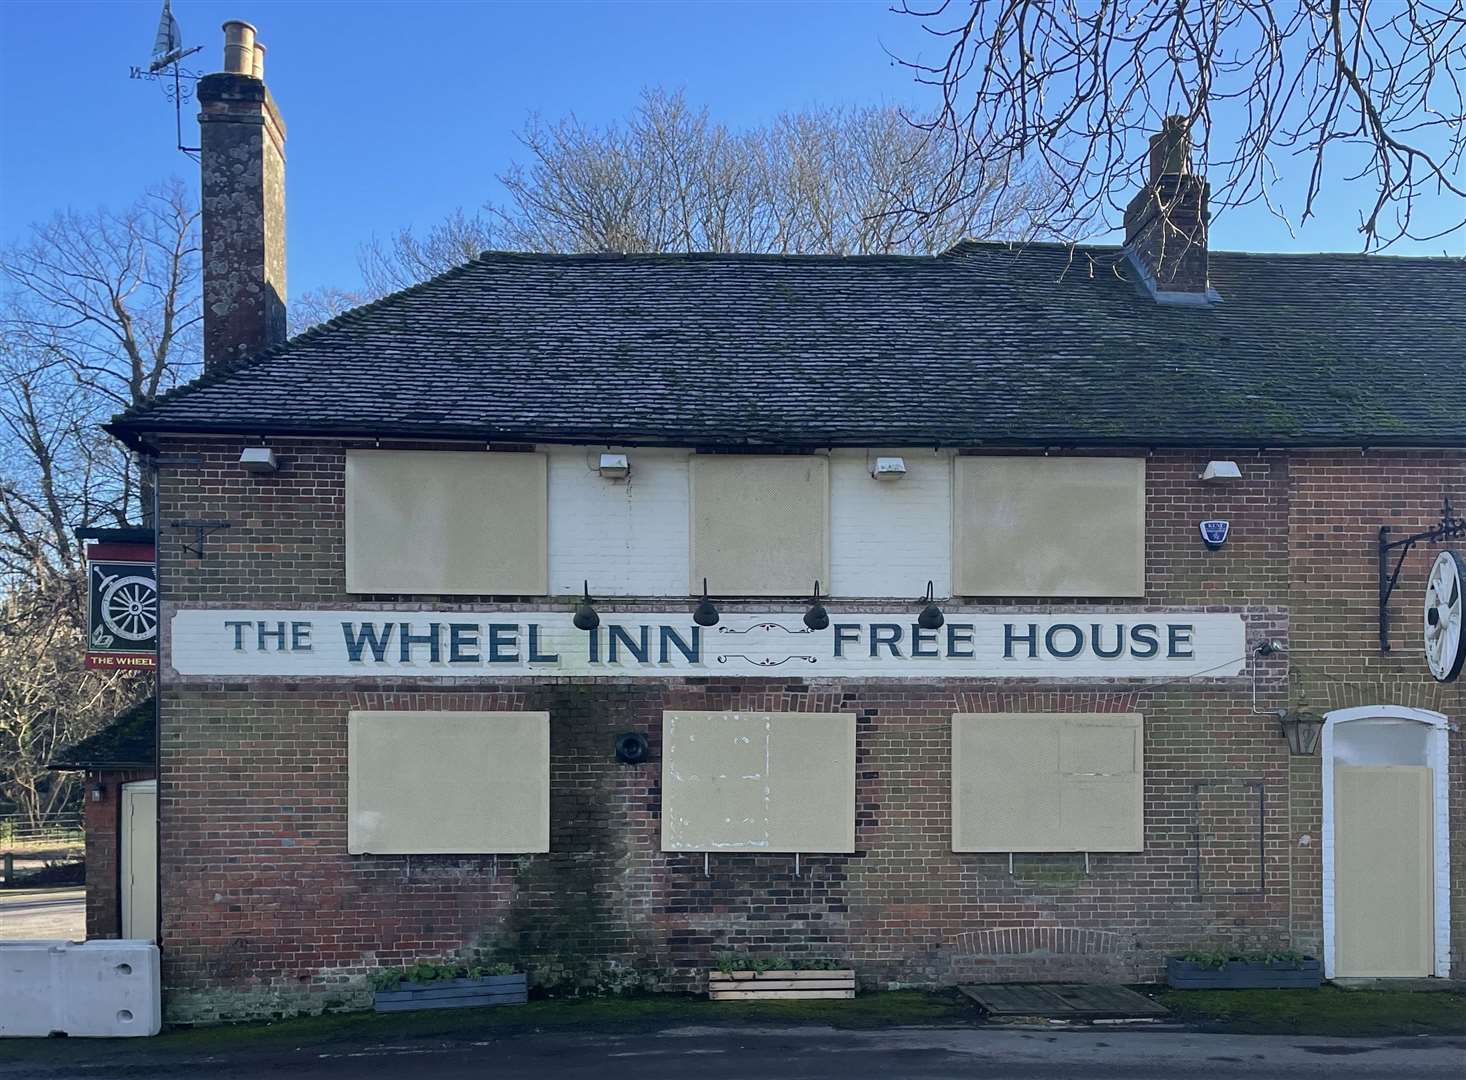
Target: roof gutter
[133,437]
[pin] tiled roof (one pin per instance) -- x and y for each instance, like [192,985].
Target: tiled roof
[986,344]
[128,742]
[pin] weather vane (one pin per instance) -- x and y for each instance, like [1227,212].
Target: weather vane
[177,82]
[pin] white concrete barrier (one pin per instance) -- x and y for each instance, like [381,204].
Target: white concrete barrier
[93,988]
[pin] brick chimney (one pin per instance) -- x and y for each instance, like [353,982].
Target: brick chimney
[242,161]
[1166,222]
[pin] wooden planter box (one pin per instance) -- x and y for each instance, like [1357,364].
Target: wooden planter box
[780,985]
[454,994]
[1242,975]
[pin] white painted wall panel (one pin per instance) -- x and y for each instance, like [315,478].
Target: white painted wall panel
[888,538]
[626,537]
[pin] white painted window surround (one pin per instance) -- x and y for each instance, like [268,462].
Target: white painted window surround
[1376,745]
[631,537]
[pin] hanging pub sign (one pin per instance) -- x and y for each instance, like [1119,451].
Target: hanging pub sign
[1445,643]
[122,599]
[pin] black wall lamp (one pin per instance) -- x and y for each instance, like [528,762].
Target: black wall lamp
[706,613]
[585,614]
[931,617]
[816,618]
[1302,729]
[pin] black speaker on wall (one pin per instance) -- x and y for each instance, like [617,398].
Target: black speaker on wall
[632,748]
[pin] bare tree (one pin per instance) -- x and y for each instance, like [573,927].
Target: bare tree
[1366,89]
[112,299]
[321,305]
[827,181]
[98,312]
[48,700]
[405,259]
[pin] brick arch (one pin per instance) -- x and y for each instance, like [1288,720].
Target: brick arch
[1410,694]
[1028,940]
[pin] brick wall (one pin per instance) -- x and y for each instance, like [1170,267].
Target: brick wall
[103,823]
[265,912]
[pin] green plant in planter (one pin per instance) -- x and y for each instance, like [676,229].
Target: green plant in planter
[824,963]
[1217,958]
[728,962]
[429,972]
[385,978]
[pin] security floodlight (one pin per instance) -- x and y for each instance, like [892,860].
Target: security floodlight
[889,468]
[614,466]
[258,459]
[1221,472]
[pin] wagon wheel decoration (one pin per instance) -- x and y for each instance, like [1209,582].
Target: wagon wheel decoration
[130,608]
[1445,644]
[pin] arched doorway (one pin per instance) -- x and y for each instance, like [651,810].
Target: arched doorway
[1386,866]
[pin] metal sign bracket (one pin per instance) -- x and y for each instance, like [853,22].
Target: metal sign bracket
[1450,527]
[202,530]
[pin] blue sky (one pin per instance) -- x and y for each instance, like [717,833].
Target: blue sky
[400,111]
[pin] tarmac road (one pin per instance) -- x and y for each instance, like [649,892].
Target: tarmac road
[808,1053]
[55,914]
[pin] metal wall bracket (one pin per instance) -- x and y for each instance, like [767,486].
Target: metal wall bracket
[1450,527]
[202,530]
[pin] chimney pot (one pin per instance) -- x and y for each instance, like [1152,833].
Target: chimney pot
[1170,149]
[259,61]
[239,47]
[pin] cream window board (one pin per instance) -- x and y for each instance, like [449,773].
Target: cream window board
[1036,782]
[447,783]
[446,522]
[750,781]
[1049,526]
[760,525]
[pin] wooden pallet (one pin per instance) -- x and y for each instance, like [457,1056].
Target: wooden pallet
[1063,1001]
[780,985]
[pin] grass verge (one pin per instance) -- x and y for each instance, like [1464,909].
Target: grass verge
[620,1015]
[1325,1011]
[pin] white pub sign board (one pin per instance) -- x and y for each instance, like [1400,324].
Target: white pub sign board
[508,644]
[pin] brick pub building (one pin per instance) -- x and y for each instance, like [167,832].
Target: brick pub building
[1034,725]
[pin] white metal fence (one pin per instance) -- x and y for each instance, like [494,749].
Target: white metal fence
[19,834]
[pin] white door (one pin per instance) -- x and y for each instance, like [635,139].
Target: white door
[1384,910]
[139,867]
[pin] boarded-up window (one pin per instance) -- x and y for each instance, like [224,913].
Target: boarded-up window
[760,525]
[1049,526]
[452,783]
[776,782]
[445,522]
[1047,782]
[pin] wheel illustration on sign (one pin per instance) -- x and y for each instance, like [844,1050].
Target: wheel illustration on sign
[1445,645]
[130,608]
